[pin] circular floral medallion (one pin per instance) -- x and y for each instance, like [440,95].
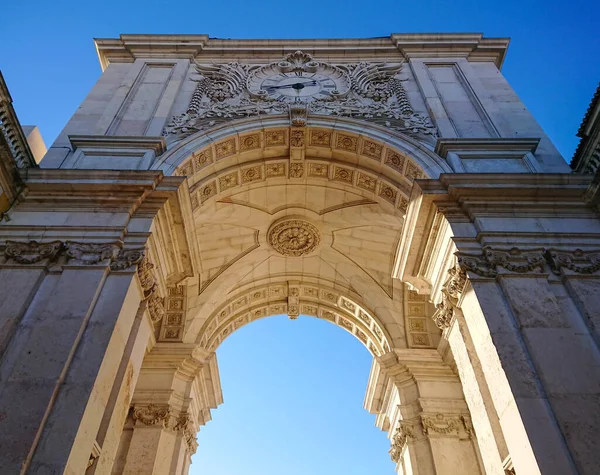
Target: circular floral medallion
[293,237]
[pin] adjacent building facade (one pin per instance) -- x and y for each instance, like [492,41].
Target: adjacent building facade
[396,187]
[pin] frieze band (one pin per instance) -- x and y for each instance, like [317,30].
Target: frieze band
[520,261]
[75,253]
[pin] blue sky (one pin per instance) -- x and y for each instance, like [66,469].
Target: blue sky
[48,57]
[293,390]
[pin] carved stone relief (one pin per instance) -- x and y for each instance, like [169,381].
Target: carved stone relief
[300,86]
[451,291]
[32,251]
[294,298]
[156,303]
[514,260]
[85,253]
[400,441]
[293,237]
[76,253]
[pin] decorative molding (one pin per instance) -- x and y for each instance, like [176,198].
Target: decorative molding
[415,317]
[441,424]
[127,258]
[451,292]
[149,283]
[527,261]
[399,441]
[293,237]
[310,299]
[173,325]
[577,261]
[151,415]
[87,253]
[368,91]
[32,251]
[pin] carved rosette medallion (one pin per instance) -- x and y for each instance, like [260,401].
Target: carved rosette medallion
[293,237]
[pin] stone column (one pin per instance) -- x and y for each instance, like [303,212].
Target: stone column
[178,386]
[428,420]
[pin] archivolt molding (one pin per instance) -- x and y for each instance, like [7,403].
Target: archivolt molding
[294,298]
[338,158]
[276,143]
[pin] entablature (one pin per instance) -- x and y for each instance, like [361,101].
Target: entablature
[473,46]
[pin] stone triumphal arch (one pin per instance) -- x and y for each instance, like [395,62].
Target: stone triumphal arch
[396,187]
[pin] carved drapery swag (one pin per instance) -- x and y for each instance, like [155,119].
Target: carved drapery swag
[429,425]
[148,281]
[32,251]
[76,253]
[164,417]
[368,91]
[490,261]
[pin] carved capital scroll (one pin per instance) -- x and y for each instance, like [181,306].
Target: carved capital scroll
[89,253]
[127,258]
[32,251]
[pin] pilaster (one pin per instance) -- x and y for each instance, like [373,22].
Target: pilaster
[177,388]
[421,406]
[511,261]
[73,311]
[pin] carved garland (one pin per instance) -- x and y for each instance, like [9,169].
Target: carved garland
[76,253]
[520,261]
[161,415]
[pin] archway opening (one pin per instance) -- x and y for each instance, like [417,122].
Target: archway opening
[293,393]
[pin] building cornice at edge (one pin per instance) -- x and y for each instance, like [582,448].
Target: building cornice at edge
[472,46]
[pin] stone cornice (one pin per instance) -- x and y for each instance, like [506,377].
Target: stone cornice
[472,46]
[157,144]
[522,145]
[125,190]
[463,198]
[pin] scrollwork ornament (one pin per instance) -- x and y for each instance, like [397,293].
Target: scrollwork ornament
[146,275]
[399,441]
[441,425]
[151,415]
[32,251]
[577,261]
[156,307]
[127,258]
[86,253]
[451,292]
